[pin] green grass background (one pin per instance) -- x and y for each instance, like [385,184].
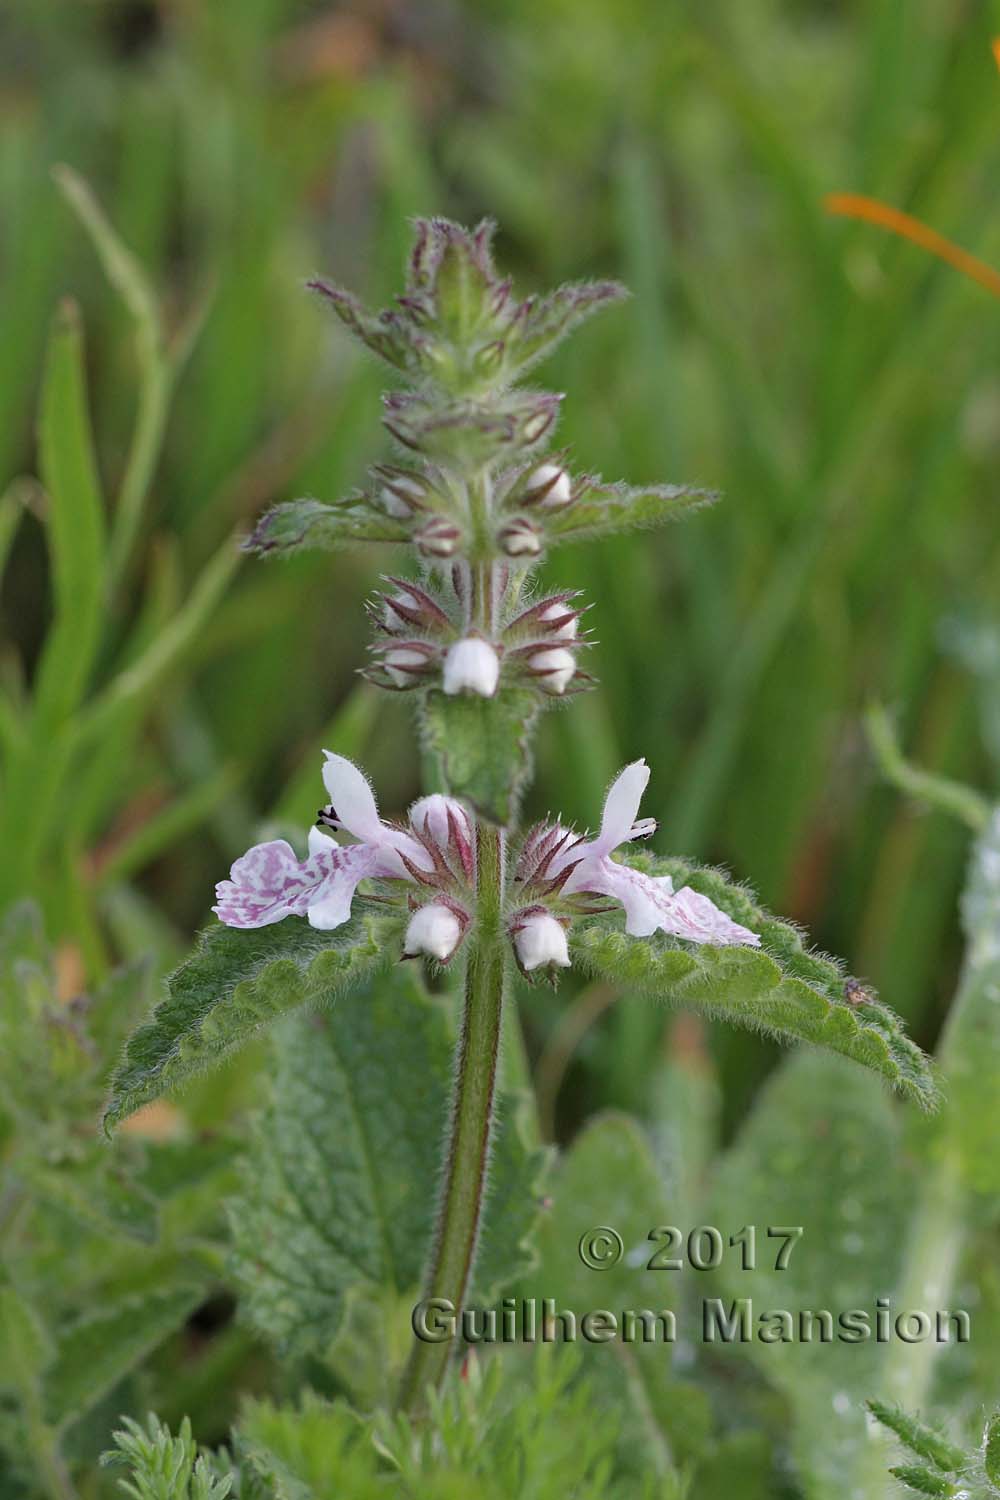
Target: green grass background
[839,387]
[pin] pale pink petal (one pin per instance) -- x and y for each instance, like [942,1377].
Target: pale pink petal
[646,898]
[331,903]
[700,921]
[651,905]
[352,798]
[269,883]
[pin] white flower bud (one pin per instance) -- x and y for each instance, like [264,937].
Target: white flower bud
[435,930]
[439,538]
[540,941]
[429,817]
[402,663]
[471,666]
[555,483]
[390,616]
[401,496]
[520,539]
[557,666]
[569,629]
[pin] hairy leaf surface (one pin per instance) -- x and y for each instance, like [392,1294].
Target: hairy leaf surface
[340,1183]
[781,988]
[235,983]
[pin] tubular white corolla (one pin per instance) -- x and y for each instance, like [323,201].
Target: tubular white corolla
[471,666]
[540,941]
[435,930]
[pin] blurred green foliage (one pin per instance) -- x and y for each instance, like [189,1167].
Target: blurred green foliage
[837,386]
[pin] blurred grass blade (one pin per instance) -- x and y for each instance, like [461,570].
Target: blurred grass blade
[76,527]
[169,646]
[129,280]
[934,791]
[76,540]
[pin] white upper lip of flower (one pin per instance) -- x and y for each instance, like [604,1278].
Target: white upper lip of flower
[269,882]
[650,902]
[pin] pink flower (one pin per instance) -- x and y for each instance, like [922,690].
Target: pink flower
[650,902]
[269,882]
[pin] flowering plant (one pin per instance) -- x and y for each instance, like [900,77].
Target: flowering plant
[479,495]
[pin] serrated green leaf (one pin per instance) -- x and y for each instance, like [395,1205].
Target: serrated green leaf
[235,983]
[94,1353]
[605,509]
[297,525]
[922,1440]
[483,746]
[780,988]
[815,1153]
[340,1182]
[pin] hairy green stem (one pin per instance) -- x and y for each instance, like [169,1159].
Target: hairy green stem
[477,1053]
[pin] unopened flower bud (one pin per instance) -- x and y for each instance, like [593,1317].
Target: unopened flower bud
[555,667]
[570,626]
[411,608]
[406,661]
[401,495]
[435,930]
[471,666]
[540,942]
[549,486]
[439,538]
[520,538]
[435,817]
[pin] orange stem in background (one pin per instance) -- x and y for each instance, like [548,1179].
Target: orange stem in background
[854,206]
[996,50]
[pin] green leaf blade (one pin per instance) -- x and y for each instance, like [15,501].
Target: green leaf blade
[780,988]
[337,1195]
[236,983]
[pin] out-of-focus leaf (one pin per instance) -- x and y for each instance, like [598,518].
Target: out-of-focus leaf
[296,525]
[970,1045]
[235,983]
[338,1191]
[482,745]
[95,1189]
[94,1353]
[607,1196]
[24,1343]
[820,1151]
[604,509]
[780,988]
